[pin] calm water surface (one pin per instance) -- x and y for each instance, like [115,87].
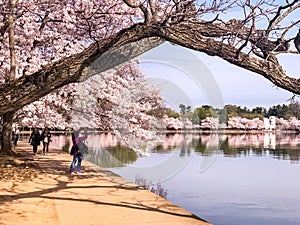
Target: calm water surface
[224,179]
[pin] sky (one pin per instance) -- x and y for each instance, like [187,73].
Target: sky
[179,73]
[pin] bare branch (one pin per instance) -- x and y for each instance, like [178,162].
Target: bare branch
[279,17]
[245,43]
[288,28]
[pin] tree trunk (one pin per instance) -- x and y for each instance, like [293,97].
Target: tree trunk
[11,40]
[6,141]
[7,118]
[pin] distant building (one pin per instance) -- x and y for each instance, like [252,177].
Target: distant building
[267,123]
[270,123]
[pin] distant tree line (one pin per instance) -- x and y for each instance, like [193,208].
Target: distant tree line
[281,111]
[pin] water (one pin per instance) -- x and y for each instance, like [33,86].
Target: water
[244,190]
[225,179]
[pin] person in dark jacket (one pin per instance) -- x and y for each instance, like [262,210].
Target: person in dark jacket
[34,139]
[17,135]
[46,139]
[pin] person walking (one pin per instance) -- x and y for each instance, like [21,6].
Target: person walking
[17,135]
[75,150]
[34,140]
[46,139]
[13,136]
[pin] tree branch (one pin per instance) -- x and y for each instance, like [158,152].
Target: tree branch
[99,57]
[279,17]
[129,43]
[270,69]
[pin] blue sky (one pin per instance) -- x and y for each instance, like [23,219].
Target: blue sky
[166,65]
[242,87]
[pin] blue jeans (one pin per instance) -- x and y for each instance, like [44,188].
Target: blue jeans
[77,157]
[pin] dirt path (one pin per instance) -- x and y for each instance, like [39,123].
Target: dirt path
[39,190]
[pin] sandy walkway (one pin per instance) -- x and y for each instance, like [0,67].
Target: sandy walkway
[52,196]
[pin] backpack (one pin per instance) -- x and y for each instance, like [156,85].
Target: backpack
[74,149]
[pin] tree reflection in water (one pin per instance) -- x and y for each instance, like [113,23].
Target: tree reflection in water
[113,156]
[106,151]
[281,146]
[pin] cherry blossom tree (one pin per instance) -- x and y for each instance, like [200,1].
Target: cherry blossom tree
[46,44]
[35,34]
[99,102]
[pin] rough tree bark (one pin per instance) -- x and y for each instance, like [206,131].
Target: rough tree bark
[128,44]
[7,118]
[97,58]
[178,28]
[6,139]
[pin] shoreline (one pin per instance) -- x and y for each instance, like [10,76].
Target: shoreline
[99,196]
[193,131]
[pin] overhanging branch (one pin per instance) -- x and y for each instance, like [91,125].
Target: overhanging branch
[132,42]
[269,68]
[99,57]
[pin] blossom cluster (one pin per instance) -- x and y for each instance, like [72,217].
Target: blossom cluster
[171,123]
[120,99]
[48,30]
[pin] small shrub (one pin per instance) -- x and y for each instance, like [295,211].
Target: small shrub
[157,189]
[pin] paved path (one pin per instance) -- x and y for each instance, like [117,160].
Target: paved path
[97,196]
